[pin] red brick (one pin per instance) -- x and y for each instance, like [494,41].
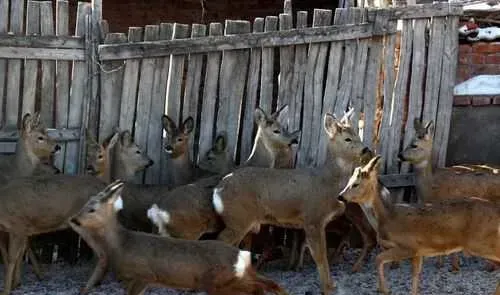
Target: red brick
[463,58]
[461,100]
[490,69]
[493,59]
[464,48]
[483,47]
[496,99]
[481,100]
[477,59]
[463,73]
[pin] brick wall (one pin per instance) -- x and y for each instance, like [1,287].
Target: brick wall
[477,59]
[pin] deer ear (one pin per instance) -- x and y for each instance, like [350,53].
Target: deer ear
[372,164]
[259,116]
[220,143]
[280,113]
[429,127]
[109,144]
[417,124]
[126,138]
[188,125]
[112,195]
[296,135]
[331,125]
[168,124]
[26,125]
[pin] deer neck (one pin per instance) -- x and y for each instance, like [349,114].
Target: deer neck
[259,157]
[424,175]
[25,160]
[182,169]
[376,211]
[120,171]
[283,158]
[337,165]
[112,232]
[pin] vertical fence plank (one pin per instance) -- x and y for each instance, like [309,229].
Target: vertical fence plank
[111,88]
[210,87]
[151,33]
[357,95]
[267,68]
[4,21]
[299,74]
[62,80]
[174,88]
[31,65]
[286,65]
[155,132]
[313,93]
[445,107]
[251,94]
[78,83]
[232,81]
[14,67]
[416,83]
[434,67]
[192,89]
[130,83]
[48,67]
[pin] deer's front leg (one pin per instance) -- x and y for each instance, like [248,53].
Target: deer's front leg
[316,239]
[393,254]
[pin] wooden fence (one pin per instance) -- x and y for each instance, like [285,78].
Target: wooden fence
[219,73]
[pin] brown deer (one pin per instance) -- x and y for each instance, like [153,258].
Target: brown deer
[434,185]
[141,259]
[295,198]
[423,230]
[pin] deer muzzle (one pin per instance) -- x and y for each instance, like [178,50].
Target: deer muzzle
[75,221]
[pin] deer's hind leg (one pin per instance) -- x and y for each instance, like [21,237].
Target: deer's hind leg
[17,246]
[390,255]
[135,288]
[316,240]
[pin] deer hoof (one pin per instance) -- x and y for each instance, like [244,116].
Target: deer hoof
[84,290]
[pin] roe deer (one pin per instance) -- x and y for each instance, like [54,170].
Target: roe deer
[444,183]
[423,230]
[296,198]
[141,259]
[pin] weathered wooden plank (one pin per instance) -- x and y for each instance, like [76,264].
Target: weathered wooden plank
[313,93]
[424,11]
[129,87]
[155,132]
[62,80]
[210,87]
[192,88]
[243,41]
[41,53]
[111,89]
[89,100]
[4,20]
[151,33]
[357,96]
[59,134]
[416,96]
[251,95]
[48,67]
[14,67]
[397,180]
[399,94]
[232,81]
[434,66]
[299,74]
[267,69]
[78,82]
[287,7]
[31,66]
[445,107]
[286,65]
[67,42]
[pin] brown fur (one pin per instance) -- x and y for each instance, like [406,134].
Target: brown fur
[424,230]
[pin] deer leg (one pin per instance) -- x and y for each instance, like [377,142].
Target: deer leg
[16,281]
[497,290]
[233,236]
[393,254]
[300,261]
[416,269]
[316,239]
[34,263]
[368,245]
[17,245]
[294,250]
[339,252]
[136,288]
[439,262]
[455,262]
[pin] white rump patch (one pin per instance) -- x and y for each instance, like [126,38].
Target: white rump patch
[217,200]
[118,204]
[244,260]
[158,216]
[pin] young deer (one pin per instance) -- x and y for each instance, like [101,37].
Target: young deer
[423,230]
[444,183]
[295,198]
[141,259]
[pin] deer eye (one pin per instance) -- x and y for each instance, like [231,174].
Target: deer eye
[355,185]
[348,140]
[137,152]
[414,146]
[277,131]
[92,210]
[100,157]
[40,138]
[179,139]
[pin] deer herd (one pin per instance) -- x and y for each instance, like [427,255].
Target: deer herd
[162,234]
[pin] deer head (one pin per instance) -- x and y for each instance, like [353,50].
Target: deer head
[35,140]
[419,151]
[176,143]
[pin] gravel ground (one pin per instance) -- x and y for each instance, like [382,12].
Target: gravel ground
[61,279]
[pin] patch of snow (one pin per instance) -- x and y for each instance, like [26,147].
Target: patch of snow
[479,85]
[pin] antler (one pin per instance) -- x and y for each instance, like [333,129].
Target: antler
[347,116]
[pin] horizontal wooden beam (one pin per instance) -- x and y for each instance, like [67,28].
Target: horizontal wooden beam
[231,42]
[397,180]
[36,41]
[419,11]
[42,53]
[62,134]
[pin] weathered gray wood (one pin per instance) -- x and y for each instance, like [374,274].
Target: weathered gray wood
[4,20]
[151,33]
[130,82]
[210,87]
[89,100]
[67,42]
[42,53]
[31,66]
[251,95]
[59,134]
[14,67]
[299,74]
[286,65]
[416,83]
[389,80]
[423,11]
[357,96]
[434,66]
[62,81]
[313,94]
[232,81]
[397,180]
[192,88]
[445,107]
[155,132]
[287,7]
[48,67]
[111,89]
[78,83]
[267,69]
[243,41]
[399,94]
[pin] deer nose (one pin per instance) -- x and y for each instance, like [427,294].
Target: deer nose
[365,150]
[150,163]
[169,149]
[57,148]
[75,221]
[341,198]
[294,141]
[401,157]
